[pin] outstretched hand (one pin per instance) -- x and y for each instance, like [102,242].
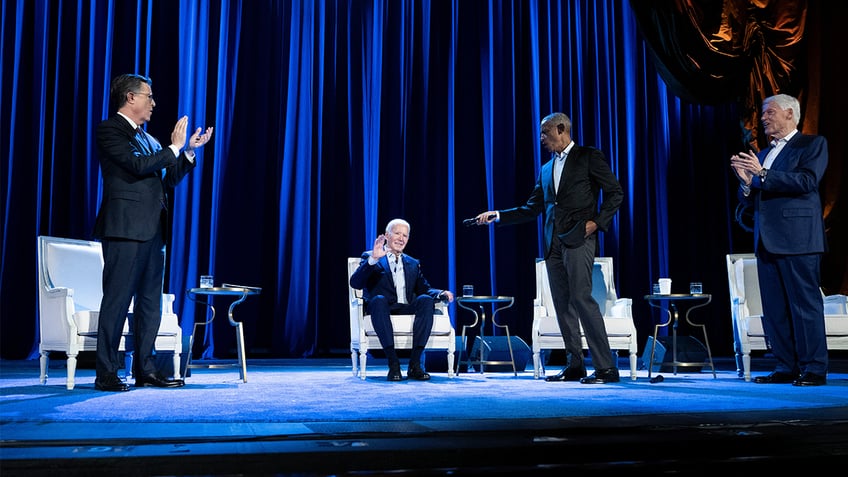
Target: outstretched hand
[199,138]
[486,217]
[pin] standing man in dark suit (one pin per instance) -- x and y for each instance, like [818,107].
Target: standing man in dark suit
[392,283]
[567,191]
[782,185]
[131,224]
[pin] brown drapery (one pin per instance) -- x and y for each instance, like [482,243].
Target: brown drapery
[711,52]
[742,51]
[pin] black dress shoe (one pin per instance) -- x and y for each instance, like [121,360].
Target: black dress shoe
[157,381]
[394,373]
[602,376]
[776,377]
[416,373]
[110,383]
[568,374]
[810,379]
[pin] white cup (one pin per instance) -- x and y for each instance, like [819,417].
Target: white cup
[206,281]
[665,286]
[467,290]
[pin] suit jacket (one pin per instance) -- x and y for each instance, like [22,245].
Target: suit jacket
[134,189]
[787,208]
[586,173]
[377,279]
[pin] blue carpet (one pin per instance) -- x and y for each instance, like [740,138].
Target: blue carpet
[306,391]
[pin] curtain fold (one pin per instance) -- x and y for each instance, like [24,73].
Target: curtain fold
[334,116]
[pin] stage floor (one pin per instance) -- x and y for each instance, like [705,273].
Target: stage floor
[313,418]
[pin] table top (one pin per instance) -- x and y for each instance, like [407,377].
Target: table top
[225,290]
[484,299]
[678,296]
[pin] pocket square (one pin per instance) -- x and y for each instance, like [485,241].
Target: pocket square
[575,236]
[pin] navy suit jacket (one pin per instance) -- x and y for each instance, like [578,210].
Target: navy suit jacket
[787,208]
[586,173]
[134,189]
[377,279]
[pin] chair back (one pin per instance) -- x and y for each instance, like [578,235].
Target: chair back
[744,283]
[603,285]
[352,264]
[73,264]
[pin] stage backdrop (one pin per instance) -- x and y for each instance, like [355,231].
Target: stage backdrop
[333,117]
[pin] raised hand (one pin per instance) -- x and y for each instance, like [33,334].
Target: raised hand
[178,135]
[379,249]
[198,140]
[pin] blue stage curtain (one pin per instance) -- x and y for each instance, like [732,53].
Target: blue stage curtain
[331,118]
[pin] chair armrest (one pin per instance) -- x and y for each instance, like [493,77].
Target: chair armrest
[59,292]
[539,311]
[836,305]
[168,303]
[621,308]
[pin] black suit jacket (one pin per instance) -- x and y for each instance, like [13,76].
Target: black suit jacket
[134,189]
[586,174]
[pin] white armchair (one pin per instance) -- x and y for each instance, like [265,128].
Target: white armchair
[363,337]
[69,292]
[617,312]
[747,313]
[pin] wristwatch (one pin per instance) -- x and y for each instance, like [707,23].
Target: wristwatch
[763,173]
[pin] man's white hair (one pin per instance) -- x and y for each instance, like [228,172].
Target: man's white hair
[393,222]
[784,101]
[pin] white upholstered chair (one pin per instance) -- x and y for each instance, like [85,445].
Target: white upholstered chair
[70,275]
[363,337]
[617,312]
[747,313]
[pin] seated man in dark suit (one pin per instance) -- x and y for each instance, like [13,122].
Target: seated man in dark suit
[392,283]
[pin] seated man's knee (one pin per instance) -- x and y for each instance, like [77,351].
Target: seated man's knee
[377,304]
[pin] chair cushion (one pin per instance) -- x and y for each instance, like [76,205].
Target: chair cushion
[87,321]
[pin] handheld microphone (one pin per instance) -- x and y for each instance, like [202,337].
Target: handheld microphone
[473,220]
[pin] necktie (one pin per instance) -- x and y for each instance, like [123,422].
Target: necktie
[400,282]
[143,138]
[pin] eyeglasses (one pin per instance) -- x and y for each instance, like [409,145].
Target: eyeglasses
[149,95]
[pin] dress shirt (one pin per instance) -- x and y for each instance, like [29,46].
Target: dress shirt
[397,275]
[776,147]
[559,164]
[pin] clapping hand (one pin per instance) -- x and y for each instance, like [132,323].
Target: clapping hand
[199,138]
